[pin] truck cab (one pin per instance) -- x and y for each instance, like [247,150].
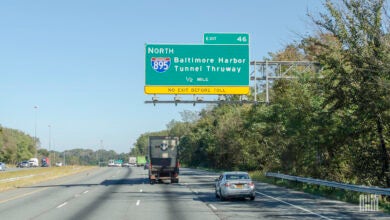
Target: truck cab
[33,162]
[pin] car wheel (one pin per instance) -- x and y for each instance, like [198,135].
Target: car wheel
[252,198]
[216,194]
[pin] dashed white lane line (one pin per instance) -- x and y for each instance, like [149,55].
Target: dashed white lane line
[62,205]
[85,192]
[138,201]
[213,207]
[298,207]
[140,190]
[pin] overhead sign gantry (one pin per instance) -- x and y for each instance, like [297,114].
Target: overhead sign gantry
[218,67]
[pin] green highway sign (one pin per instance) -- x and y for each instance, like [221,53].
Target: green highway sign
[226,38]
[196,69]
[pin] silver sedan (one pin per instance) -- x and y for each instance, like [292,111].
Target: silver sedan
[235,185]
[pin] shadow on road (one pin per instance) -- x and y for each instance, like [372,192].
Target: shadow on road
[107,182]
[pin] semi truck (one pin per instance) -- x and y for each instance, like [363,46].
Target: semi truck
[141,161]
[133,161]
[45,162]
[33,162]
[163,159]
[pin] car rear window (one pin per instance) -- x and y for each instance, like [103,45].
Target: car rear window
[236,176]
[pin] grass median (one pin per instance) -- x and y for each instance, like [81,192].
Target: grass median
[27,177]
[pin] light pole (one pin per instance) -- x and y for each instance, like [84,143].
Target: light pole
[35,130]
[49,144]
[101,153]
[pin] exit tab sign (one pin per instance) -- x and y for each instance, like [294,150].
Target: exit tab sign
[226,38]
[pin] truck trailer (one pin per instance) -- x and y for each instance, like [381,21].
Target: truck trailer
[141,161]
[133,161]
[163,159]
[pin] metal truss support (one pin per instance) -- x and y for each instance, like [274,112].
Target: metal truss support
[263,74]
[199,100]
[266,71]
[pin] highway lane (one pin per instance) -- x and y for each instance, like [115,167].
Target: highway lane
[125,193]
[273,202]
[104,193]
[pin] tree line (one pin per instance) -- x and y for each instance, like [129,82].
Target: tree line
[336,127]
[16,146]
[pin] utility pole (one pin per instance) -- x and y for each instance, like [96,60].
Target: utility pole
[35,130]
[101,151]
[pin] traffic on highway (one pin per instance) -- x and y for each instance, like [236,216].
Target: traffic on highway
[126,193]
[210,110]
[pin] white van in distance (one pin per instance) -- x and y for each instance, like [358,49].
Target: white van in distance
[33,162]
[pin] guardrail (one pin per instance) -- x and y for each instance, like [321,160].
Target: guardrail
[357,188]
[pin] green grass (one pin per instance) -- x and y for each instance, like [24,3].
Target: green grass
[26,177]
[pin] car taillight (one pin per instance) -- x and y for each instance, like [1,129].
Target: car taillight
[251,184]
[227,184]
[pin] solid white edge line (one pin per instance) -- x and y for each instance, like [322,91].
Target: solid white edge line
[298,207]
[138,201]
[213,207]
[62,205]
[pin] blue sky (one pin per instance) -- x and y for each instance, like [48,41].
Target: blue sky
[82,61]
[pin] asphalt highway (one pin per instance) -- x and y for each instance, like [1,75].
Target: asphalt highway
[125,193]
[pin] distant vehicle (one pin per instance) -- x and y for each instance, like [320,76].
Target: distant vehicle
[45,162]
[58,164]
[23,164]
[235,185]
[2,166]
[125,165]
[141,161]
[133,161]
[118,163]
[33,162]
[111,163]
[163,156]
